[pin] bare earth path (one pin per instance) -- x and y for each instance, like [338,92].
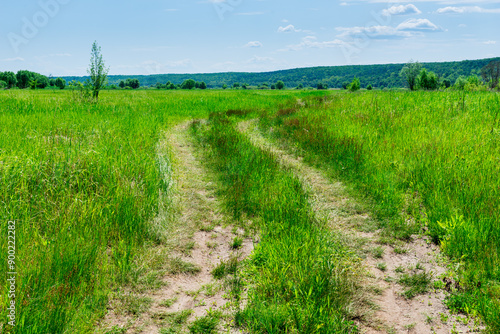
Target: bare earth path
[391,312]
[196,241]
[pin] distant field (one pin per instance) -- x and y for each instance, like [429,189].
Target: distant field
[83,183]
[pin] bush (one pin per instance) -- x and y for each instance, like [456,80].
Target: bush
[280,85]
[188,84]
[354,85]
[369,87]
[322,85]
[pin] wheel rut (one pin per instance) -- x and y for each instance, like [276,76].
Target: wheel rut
[196,238]
[382,304]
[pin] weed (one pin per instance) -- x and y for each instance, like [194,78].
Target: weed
[179,266]
[236,243]
[399,269]
[382,266]
[204,325]
[417,283]
[168,302]
[378,252]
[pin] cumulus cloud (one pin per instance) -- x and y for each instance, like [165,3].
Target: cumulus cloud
[12,59]
[259,60]
[401,10]
[253,44]
[288,28]
[377,32]
[467,9]
[312,42]
[417,25]
[409,28]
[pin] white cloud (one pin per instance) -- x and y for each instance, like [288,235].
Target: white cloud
[258,59]
[401,10]
[490,42]
[409,28]
[12,59]
[312,42]
[467,9]
[253,44]
[418,25]
[288,28]
[450,2]
[376,32]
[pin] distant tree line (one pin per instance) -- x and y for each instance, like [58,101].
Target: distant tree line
[378,76]
[27,79]
[418,77]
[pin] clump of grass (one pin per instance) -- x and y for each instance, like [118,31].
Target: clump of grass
[134,304]
[378,252]
[179,266]
[236,243]
[204,325]
[416,283]
[225,268]
[382,266]
[168,302]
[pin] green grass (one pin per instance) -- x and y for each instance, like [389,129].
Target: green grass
[83,182]
[299,274]
[428,161]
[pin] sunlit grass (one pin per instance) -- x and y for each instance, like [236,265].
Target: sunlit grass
[428,160]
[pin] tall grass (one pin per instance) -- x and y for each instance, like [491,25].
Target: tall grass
[427,159]
[83,183]
[301,275]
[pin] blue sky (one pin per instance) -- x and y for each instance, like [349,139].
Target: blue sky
[54,37]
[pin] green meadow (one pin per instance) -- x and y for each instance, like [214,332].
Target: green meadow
[84,183]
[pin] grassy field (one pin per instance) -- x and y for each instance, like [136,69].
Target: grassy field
[84,183]
[428,161]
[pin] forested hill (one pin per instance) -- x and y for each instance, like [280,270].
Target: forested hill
[379,76]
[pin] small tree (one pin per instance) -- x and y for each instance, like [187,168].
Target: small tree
[3,84]
[188,84]
[460,83]
[321,85]
[203,85]
[121,84]
[10,78]
[369,87]
[60,83]
[97,71]
[428,80]
[224,86]
[280,85]
[236,85]
[410,73]
[132,83]
[354,85]
[345,84]
[491,73]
